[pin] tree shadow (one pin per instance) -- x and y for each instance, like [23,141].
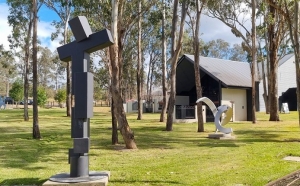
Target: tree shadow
[19,150]
[253,136]
[146,182]
[23,181]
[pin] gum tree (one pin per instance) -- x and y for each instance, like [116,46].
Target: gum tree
[176,45]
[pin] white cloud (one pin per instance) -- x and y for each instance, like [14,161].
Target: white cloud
[5,29]
[45,29]
[212,28]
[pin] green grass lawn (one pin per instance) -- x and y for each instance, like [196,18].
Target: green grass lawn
[180,157]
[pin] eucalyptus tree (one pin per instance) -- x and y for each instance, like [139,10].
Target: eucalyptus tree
[275,31]
[35,129]
[237,53]
[290,10]
[176,45]
[100,17]
[124,18]
[139,63]
[63,8]
[253,55]
[7,69]
[195,26]
[59,68]
[20,19]
[217,49]
[114,66]
[232,13]
[164,62]
[45,67]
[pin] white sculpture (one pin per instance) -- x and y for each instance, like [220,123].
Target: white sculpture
[217,112]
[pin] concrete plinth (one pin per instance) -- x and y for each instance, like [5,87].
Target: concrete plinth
[95,179]
[221,136]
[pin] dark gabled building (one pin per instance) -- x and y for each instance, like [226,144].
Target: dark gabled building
[223,81]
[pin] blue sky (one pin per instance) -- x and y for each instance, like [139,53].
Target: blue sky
[210,28]
[46,16]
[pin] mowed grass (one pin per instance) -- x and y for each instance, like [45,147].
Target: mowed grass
[180,157]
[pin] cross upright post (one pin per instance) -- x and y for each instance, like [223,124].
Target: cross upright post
[78,52]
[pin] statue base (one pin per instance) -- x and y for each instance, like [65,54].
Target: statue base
[221,136]
[95,178]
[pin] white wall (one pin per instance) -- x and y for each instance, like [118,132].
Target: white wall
[239,97]
[286,79]
[286,76]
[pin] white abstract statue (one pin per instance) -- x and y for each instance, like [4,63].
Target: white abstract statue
[217,112]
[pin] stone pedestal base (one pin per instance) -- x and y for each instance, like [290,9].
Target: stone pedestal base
[94,179]
[221,136]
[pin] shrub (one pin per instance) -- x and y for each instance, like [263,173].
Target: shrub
[17,91]
[61,96]
[41,96]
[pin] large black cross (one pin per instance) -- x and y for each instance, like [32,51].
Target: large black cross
[82,88]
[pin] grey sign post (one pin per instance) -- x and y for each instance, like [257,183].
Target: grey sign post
[82,92]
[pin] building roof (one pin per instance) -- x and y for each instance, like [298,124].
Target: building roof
[285,58]
[230,73]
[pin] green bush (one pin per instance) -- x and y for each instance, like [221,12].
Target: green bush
[41,96]
[61,95]
[17,91]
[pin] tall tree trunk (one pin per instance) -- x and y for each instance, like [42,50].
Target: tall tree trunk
[124,128]
[114,122]
[294,35]
[68,87]
[139,67]
[148,80]
[36,130]
[174,59]
[266,78]
[26,81]
[297,56]
[197,66]
[274,38]
[113,108]
[253,65]
[69,77]
[7,87]
[164,62]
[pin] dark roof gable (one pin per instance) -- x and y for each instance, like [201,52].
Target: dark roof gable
[230,73]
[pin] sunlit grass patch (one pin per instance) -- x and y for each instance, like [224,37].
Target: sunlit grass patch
[180,157]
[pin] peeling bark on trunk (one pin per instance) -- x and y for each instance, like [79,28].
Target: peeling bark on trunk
[294,35]
[114,122]
[197,66]
[26,81]
[36,131]
[139,67]
[169,124]
[274,38]
[115,67]
[253,65]
[297,56]
[266,79]
[164,71]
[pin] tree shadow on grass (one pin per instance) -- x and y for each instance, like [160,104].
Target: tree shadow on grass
[23,181]
[19,150]
[253,136]
[146,182]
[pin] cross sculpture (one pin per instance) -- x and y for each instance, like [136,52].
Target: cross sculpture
[82,93]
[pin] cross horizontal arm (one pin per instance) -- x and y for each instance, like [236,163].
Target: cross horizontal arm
[96,41]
